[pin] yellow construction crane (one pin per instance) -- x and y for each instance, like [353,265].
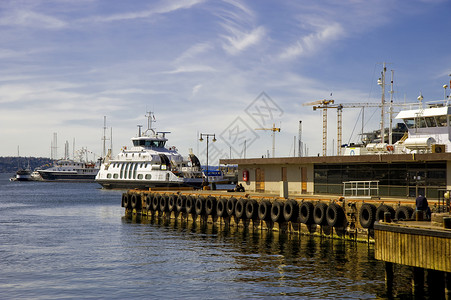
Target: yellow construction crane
[274,129]
[326,104]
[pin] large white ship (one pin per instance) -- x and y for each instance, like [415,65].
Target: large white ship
[150,164]
[70,170]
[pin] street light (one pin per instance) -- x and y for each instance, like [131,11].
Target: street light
[214,140]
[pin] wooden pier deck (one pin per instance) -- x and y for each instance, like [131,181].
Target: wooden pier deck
[420,245]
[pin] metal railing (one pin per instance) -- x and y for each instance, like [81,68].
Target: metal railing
[361,189]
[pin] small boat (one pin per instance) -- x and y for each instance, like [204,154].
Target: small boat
[22,175]
[150,164]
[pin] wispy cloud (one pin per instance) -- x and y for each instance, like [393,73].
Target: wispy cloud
[239,40]
[194,51]
[191,69]
[28,18]
[161,8]
[312,42]
[241,30]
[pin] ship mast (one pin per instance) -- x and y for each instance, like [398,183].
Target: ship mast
[381,82]
[390,128]
[150,118]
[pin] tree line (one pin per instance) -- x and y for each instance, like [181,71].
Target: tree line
[11,164]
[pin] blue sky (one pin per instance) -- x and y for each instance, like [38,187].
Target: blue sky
[223,67]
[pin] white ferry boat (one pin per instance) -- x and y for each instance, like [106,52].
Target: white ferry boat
[22,175]
[71,170]
[150,164]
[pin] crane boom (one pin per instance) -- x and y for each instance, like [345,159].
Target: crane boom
[274,129]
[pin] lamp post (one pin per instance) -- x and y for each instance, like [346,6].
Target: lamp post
[208,135]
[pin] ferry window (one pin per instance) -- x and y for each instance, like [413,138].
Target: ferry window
[441,121]
[115,176]
[108,175]
[161,144]
[140,176]
[421,123]
[134,170]
[122,170]
[167,176]
[130,170]
[410,123]
[430,122]
[148,176]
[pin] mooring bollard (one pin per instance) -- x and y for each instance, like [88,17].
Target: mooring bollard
[387,217]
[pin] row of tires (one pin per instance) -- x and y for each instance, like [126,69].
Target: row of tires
[369,213]
[306,212]
[242,208]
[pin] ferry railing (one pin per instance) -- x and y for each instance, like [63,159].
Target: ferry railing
[361,189]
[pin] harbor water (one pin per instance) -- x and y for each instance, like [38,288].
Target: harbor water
[72,240]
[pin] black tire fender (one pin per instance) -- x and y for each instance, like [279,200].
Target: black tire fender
[180,204]
[404,213]
[210,206]
[200,206]
[306,212]
[155,202]
[240,208]
[172,201]
[367,215]
[190,204]
[136,201]
[319,213]
[163,203]
[230,209]
[382,209]
[264,210]
[251,209]
[276,211]
[221,207]
[148,201]
[291,210]
[127,200]
[335,215]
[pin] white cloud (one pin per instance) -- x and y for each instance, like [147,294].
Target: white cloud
[191,69]
[194,51]
[312,42]
[240,40]
[28,18]
[163,8]
[241,30]
[196,89]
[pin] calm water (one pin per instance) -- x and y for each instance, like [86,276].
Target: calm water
[69,240]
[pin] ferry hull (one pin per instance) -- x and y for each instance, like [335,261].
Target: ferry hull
[47,176]
[139,184]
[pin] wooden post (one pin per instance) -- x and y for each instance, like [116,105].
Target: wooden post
[447,285]
[436,287]
[418,281]
[389,277]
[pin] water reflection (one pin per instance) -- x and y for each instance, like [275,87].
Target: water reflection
[287,264]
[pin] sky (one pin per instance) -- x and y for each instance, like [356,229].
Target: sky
[228,68]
